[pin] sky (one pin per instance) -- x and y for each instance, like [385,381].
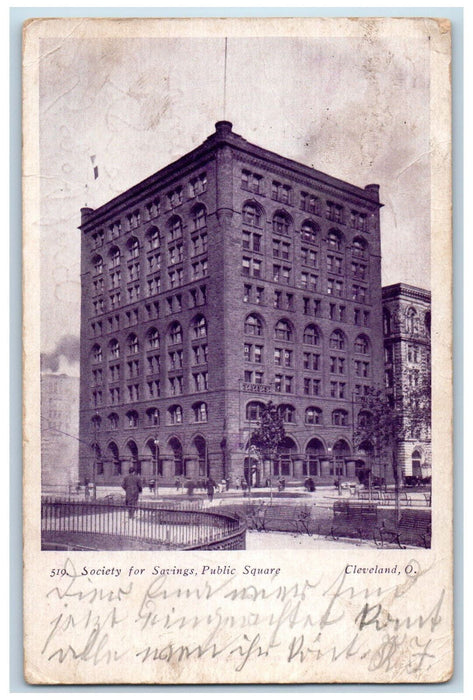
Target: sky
[355,108]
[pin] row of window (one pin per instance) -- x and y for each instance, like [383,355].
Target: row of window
[311,306]
[310,233]
[198,331]
[174,415]
[283,274]
[313,415]
[175,387]
[282,223]
[284,330]
[174,198]
[283,357]
[312,386]
[412,322]
[284,193]
[151,311]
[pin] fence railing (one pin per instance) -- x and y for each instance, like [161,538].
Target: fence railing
[155,524]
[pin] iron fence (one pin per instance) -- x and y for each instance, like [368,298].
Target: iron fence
[155,524]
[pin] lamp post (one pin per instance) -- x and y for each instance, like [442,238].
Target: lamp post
[94,465]
[156,464]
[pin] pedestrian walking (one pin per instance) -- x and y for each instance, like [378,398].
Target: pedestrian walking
[211,489]
[132,487]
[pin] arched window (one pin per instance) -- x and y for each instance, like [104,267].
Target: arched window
[283,330]
[97,262]
[311,335]
[313,415]
[334,239]
[152,415]
[364,419]
[133,344]
[174,228]
[132,418]
[175,415]
[114,349]
[113,421]
[362,345]
[337,340]
[114,257]
[309,231]
[96,354]
[133,246]
[175,333]
[253,325]
[359,248]
[427,322]
[416,463]
[287,413]
[199,218]
[96,422]
[411,320]
[281,222]
[251,214]
[339,417]
[200,412]
[176,449]
[152,238]
[199,327]
[153,339]
[114,456]
[253,410]
[386,322]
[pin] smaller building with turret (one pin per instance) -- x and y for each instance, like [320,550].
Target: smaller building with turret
[407,358]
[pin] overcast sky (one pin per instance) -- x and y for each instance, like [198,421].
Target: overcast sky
[357,109]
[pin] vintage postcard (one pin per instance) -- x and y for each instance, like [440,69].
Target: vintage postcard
[237,351]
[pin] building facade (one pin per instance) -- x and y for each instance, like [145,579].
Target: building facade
[406,328]
[59,429]
[231,277]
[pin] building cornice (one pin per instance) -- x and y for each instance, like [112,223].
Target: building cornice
[200,155]
[400,289]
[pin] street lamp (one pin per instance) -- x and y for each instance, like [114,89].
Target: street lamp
[94,465]
[156,463]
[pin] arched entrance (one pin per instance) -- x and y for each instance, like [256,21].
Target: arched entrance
[341,453]
[253,467]
[314,454]
[153,458]
[283,464]
[200,447]
[178,462]
[113,457]
[131,452]
[364,463]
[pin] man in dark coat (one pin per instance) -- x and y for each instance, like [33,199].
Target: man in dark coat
[132,486]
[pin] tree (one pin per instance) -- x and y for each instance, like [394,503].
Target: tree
[270,433]
[390,419]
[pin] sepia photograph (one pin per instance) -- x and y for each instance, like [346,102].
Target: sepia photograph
[230,234]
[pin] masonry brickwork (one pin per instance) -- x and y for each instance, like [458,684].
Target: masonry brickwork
[231,277]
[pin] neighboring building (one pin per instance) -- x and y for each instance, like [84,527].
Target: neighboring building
[59,431]
[231,277]
[406,327]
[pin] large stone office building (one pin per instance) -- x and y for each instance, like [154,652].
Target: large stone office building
[231,277]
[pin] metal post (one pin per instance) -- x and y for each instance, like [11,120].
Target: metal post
[156,466]
[94,466]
